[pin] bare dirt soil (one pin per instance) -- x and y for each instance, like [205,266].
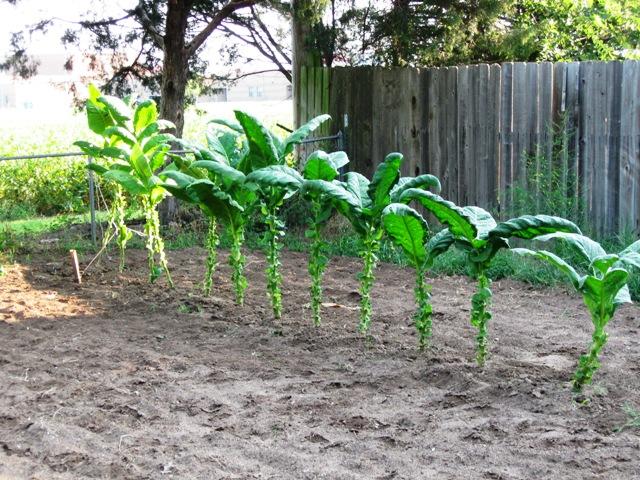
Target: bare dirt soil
[120,379]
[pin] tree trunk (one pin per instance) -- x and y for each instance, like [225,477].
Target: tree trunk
[174,83]
[304,14]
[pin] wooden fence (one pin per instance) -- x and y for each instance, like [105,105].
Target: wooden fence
[485,129]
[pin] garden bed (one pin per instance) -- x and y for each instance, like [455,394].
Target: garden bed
[120,379]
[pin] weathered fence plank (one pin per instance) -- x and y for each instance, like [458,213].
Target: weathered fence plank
[487,130]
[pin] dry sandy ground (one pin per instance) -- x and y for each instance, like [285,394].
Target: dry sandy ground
[120,379]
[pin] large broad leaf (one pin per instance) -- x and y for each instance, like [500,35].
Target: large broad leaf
[216,148]
[482,220]
[176,184]
[214,201]
[319,167]
[408,229]
[425,181]
[439,243]
[604,262]
[588,249]
[556,261]
[384,178]
[335,191]
[301,133]
[121,134]
[338,159]
[226,173]
[260,141]
[98,117]
[278,176]
[119,111]
[358,185]
[158,141]
[140,163]
[99,169]
[235,126]
[633,248]
[89,148]
[531,226]
[458,220]
[605,292]
[630,259]
[130,183]
[146,113]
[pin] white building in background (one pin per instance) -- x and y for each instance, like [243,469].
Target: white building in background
[262,87]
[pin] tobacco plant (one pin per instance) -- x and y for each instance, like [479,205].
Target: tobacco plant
[276,183]
[603,288]
[222,194]
[319,166]
[474,231]
[362,201]
[136,150]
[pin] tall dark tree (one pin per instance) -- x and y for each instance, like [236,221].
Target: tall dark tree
[166,34]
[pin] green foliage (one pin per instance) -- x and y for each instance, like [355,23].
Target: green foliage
[133,150]
[211,245]
[474,231]
[603,287]
[319,166]
[409,230]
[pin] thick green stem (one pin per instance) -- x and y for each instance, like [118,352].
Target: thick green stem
[237,261]
[371,244]
[211,245]
[317,263]
[154,244]
[480,315]
[275,230]
[422,318]
[117,224]
[589,364]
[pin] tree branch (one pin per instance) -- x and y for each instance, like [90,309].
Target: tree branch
[266,31]
[146,23]
[215,22]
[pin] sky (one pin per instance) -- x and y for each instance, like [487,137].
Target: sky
[27,12]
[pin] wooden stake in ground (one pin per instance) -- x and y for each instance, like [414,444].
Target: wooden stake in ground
[76,266]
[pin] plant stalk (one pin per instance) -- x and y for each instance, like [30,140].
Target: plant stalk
[589,363]
[237,261]
[317,263]
[371,245]
[422,318]
[211,245]
[154,244]
[275,230]
[480,315]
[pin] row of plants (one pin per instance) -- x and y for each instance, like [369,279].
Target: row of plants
[246,169]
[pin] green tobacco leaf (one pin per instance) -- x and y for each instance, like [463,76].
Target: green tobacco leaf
[358,185]
[630,259]
[384,178]
[588,249]
[604,262]
[482,220]
[340,196]
[176,183]
[605,291]
[531,226]
[459,221]
[158,141]
[98,117]
[278,176]
[214,201]
[554,260]
[319,167]
[146,113]
[224,172]
[439,243]
[260,141]
[89,149]
[140,163]
[301,133]
[235,126]
[121,134]
[422,181]
[216,148]
[633,248]
[118,110]
[130,183]
[408,229]
[338,159]
[99,169]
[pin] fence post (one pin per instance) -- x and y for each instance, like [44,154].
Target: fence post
[92,202]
